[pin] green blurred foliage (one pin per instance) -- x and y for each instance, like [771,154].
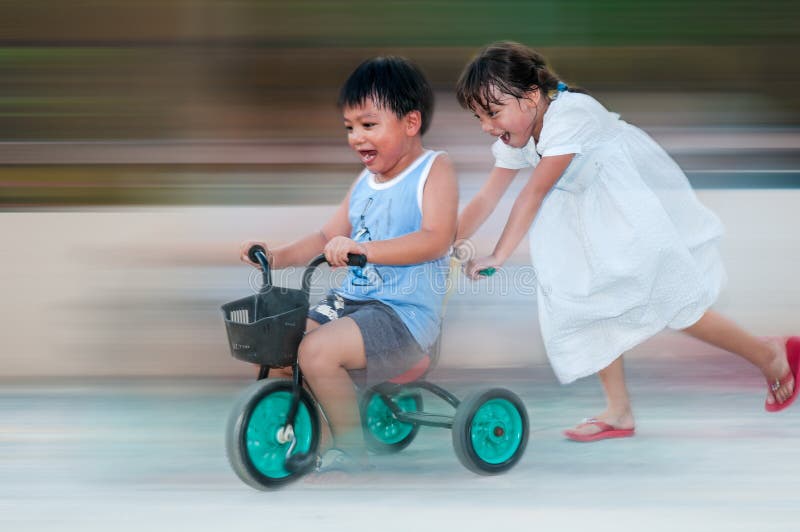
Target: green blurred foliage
[362,23]
[241,68]
[259,70]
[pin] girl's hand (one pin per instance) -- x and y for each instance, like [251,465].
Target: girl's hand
[338,247]
[245,248]
[482,263]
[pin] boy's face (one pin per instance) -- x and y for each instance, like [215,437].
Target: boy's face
[512,120]
[379,137]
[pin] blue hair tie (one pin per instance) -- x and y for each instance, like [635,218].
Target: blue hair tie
[561,87]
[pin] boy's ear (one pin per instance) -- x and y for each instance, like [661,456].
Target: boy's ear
[413,122]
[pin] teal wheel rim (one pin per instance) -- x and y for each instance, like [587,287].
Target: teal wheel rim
[382,423]
[496,431]
[264,450]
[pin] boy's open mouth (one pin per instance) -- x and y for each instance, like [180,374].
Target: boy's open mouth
[505,137]
[367,156]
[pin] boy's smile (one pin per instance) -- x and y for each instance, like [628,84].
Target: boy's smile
[367,156]
[385,144]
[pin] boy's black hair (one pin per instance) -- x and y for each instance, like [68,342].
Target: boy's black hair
[392,83]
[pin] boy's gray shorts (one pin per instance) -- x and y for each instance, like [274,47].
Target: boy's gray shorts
[389,347]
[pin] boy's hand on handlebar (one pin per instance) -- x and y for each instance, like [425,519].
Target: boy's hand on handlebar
[245,248]
[338,247]
[482,266]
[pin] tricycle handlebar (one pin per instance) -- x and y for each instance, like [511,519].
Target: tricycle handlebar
[259,254]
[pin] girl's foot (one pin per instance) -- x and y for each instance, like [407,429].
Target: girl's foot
[780,374]
[607,423]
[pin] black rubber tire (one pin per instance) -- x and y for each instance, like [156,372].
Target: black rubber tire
[462,431]
[236,433]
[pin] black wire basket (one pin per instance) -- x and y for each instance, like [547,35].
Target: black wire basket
[266,328]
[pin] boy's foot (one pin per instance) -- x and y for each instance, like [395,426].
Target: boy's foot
[782,375]
[601,428]
[335,459]
[336,464]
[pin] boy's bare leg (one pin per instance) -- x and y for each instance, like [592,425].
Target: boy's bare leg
[325,356]
[286,372]
[325,437]
[618,412]
[767,355]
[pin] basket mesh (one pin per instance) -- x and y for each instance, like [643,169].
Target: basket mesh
[266,328]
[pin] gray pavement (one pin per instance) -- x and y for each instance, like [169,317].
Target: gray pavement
[139,454]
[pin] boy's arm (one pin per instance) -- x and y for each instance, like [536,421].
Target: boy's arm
[527,204]
[485,202]
[438,229]
[300,252]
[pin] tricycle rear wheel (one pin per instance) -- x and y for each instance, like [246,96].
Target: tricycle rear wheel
[490,431]
[383,432]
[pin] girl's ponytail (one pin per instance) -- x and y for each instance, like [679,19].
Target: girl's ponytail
[548,80]
[510,68]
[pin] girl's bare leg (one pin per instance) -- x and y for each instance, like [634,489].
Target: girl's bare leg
[618,412]
[767,355]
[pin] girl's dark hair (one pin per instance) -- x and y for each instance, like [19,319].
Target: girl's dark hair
[392,83]
[512,68]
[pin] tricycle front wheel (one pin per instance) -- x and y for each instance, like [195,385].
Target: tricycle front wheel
[257,440]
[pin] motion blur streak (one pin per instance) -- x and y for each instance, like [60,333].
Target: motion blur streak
[141,141]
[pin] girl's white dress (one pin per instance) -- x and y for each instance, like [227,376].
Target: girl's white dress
[621,246]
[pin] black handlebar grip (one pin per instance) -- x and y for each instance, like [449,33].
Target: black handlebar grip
[356,259]
[251,253]
[353,259]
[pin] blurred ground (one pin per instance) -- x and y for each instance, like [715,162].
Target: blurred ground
[98,454]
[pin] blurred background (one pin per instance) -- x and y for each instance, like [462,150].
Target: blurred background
[140,142]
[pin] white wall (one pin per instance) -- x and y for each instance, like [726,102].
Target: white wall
[136,291]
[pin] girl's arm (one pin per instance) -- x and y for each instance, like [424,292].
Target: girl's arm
[524,211]
[485,202]
[435,236]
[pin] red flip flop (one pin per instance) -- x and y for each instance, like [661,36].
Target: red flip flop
[793,357]
[606,431]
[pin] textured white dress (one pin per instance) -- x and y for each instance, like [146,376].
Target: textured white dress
[621,246]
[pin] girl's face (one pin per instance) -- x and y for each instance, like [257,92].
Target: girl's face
[512,120]
[384,143]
